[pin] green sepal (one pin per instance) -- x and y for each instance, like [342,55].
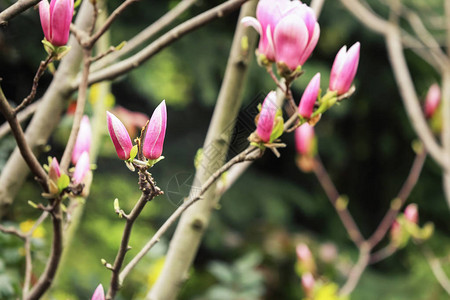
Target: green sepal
[63,182]
[133,153]
[130,166]
[55,51]
[152,162]
[278,129]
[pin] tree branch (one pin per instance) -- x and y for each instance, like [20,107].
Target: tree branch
[193,222]
[15,9]
[137,59]
[145,34]
[356,272]
[333,195]
[241,157]
[400,200]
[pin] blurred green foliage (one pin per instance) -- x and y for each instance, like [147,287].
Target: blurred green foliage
[249,249]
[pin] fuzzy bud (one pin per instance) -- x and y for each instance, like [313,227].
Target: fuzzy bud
[156,131]
[412,213]
[119,136]
[55,20]
[306,106]
[344,69]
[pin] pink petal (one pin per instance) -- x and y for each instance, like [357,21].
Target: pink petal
[309,97]
[119,136]
[84,139]
[156,130]
[81,168]
[44,15]
[267,117]
[99,293]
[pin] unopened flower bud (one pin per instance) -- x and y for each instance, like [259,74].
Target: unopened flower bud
[267,117]
[99,293]
[81,168]
[119,136]
[55,20]
[84,139]
[411,213]
[344,69]
[54,171]
[396,232]
[432,100]
[308,283]
[306,106]
[156,131]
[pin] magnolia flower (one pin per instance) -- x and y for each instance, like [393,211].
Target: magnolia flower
[99,293]
[267,117]
[344,69]
[308,283]
[156,130]
[119,136]
[304,139]
[432,100]
[306,106]
[84,140]
[288,29]
[55,20]
[81,168]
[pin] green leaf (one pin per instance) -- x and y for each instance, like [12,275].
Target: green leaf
[278,129]
[63,182]
[133,153]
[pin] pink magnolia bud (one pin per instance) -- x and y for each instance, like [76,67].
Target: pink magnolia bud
[267,117]
[432,100]
[81,168]
[296,36]
[99,293]
[156,130]
[303,253]
[412,213]
[304,139]
[54,171]
[119,136]
[308,283]
[344,69]
[306,106]
[56,19]
[84,140]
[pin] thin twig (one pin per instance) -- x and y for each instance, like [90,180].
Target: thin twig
[382,254]
[23,146]
[13,231]
[357,270]
[437,270]
[333,195]
[105,26]
[171,36]
[149,191]
[21,117]
[241,157]
[81,101]
[42,67]
[400,200]
[15,9]
[46,278]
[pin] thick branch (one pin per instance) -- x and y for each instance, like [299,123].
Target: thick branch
[356,272]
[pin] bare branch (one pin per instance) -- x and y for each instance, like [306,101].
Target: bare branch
[21,117]
[136,60]
[15,9]
[145,34]
[357,270]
